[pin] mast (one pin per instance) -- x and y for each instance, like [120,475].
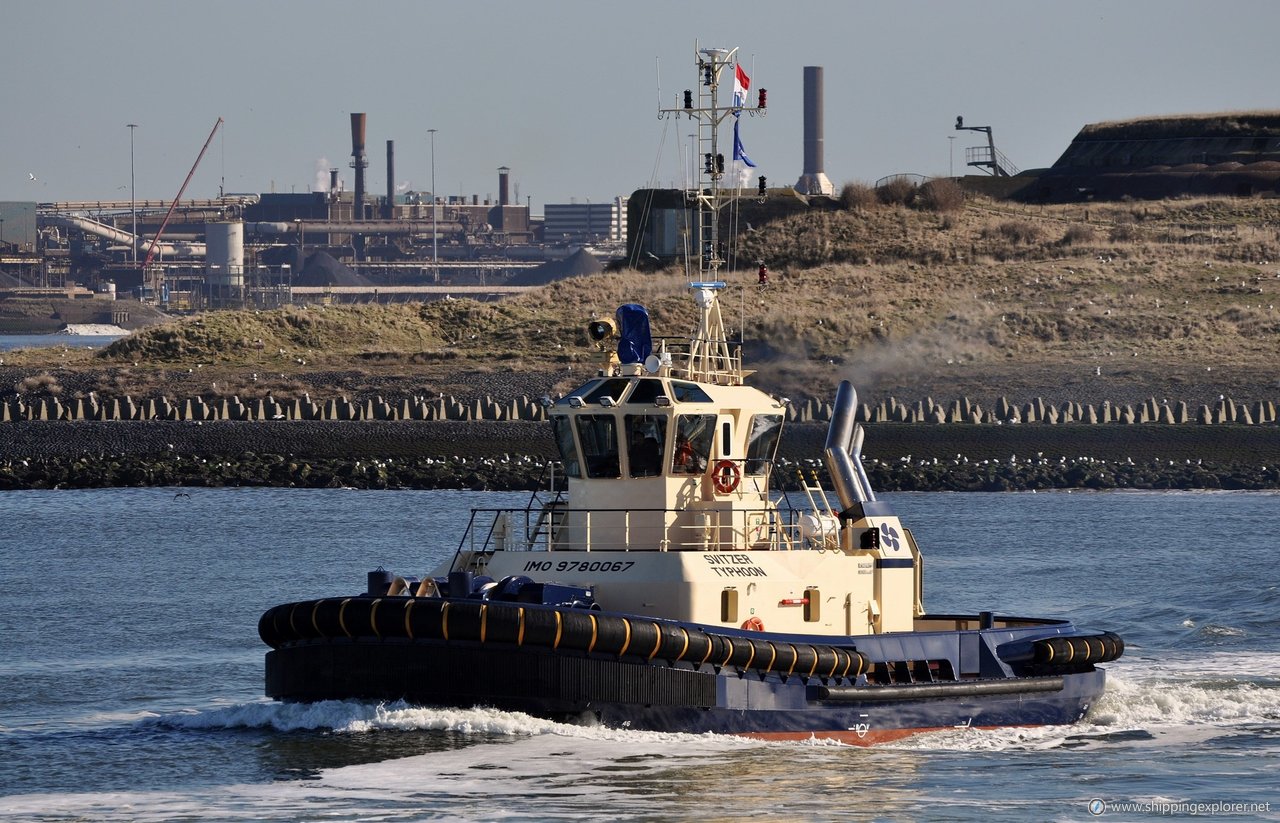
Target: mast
[710,358]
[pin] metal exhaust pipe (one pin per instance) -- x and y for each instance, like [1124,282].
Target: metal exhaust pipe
[840,437]
[855,456]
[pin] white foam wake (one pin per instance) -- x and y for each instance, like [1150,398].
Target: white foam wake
[575,770]
[570,768]
[1149,702]
[345,716]
[1145,698]
[349,716]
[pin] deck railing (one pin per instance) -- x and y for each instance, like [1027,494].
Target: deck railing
[553,527]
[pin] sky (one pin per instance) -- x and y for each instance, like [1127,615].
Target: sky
[566,92]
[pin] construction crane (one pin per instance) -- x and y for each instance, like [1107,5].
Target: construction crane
[151,250]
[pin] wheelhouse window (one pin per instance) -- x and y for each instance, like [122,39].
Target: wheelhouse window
[646,439]
[612,388]
[684,392]
[564,442]
[694,433]
[585,388]
[647,390]
[762,442]
[599,436]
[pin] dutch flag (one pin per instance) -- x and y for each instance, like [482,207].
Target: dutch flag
[741,85]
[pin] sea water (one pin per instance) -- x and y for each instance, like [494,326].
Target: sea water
[131,672]
[8,342]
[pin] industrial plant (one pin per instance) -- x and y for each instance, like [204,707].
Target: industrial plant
[339,244]
[269,249]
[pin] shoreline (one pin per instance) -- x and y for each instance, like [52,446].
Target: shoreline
[515,455]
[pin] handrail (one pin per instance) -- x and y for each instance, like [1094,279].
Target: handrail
[993,157]
[542,529]
[683,367]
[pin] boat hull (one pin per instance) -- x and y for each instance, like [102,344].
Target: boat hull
[641,689]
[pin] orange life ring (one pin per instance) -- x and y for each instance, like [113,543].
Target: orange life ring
[726,476]
[753,624]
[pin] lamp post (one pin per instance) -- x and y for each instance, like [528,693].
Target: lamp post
[951,155]
[133,208]
[435,249]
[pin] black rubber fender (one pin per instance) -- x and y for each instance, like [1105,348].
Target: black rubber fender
[503,623]
[425,619]
[543,628]
[357,616]
[580,630]
[613,635]
[464,619]
[675,642]
[806,660]
[365,619]
[1077,650]
[645,641]
[787,658]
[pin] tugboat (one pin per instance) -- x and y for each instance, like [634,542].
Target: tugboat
[665,587]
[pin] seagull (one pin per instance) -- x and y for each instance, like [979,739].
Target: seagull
[31,176]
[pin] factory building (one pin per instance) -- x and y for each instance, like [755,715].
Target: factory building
[586,223]
[271,248]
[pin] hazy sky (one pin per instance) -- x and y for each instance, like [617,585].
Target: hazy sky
[565,92]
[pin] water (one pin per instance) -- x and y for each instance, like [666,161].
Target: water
[131,672]
[8,342]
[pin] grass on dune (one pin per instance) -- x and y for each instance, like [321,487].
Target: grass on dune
[1176,281]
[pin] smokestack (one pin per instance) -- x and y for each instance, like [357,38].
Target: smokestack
[358,162]
[389,210]
[504,197]
[333,182]
[813,180]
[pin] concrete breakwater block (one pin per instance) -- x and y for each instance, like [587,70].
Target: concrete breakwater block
[959,412]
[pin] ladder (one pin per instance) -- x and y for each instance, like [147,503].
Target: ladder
[550,518]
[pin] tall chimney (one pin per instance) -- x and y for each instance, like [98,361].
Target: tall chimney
[389,210]
[358,162]
[813,180]
[499,212]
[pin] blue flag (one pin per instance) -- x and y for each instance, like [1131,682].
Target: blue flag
[740,153]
